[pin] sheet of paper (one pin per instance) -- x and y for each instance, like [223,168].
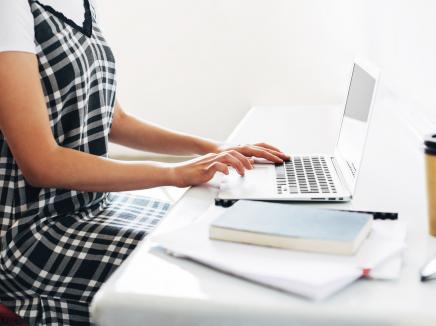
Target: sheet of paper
[388,270]
[394,230]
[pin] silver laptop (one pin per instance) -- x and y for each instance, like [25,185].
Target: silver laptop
[316,177]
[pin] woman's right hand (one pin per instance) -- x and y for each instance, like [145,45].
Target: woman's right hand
[202,169]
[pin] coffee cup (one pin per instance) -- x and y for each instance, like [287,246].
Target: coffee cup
[430,162]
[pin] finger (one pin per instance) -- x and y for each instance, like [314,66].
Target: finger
[275,150]
[217,167]
[262,153]
[248,163]
[282,155]
[231,160]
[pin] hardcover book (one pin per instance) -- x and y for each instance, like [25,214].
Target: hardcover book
[291,226]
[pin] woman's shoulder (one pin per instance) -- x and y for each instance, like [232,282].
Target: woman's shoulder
[16,26]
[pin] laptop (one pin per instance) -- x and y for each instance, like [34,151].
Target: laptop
[316,177]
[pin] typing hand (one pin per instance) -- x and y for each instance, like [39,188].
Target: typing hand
[260,150]
[202,169]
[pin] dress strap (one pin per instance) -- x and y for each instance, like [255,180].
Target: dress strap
[87,24]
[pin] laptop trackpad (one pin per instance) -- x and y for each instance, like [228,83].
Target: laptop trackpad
[256,183]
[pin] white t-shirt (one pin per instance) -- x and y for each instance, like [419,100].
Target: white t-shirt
[16,21]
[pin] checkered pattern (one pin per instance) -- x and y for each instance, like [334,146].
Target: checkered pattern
[58,246]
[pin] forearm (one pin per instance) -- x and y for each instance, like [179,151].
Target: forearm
[70,169]
[135,133]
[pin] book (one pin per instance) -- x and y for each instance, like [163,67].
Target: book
[292,227]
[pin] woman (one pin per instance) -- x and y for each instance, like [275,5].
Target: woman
[62,232]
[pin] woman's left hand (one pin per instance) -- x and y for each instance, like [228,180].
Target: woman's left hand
[260,150]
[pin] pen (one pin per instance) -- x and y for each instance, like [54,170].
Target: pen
[428,271]
[375,215]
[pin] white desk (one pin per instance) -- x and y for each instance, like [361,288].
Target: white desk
[151,288]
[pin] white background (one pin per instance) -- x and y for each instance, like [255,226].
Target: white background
[199,65]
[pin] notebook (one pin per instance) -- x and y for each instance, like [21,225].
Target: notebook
[292,227]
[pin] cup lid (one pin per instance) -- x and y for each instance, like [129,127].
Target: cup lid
[430,144]
[430,141]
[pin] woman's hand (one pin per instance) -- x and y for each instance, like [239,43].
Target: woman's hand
[202,169]
[260,150]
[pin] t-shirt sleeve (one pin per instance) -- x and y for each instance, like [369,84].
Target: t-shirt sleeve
[17,31]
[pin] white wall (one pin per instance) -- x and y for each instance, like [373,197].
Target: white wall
[401,38]
[199,65]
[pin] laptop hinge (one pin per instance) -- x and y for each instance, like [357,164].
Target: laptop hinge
[340,175]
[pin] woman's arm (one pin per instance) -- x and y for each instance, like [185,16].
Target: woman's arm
[132,132]
[25,125]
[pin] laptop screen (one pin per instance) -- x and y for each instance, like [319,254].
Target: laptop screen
[355,121]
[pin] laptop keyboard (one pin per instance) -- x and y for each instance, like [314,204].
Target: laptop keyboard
[304,175]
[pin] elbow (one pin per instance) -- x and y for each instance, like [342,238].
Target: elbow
[40,164]
[41,171]
[37,177]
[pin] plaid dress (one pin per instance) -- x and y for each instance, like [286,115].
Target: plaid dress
[57,246]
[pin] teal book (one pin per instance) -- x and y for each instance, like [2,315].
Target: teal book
[293,227]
